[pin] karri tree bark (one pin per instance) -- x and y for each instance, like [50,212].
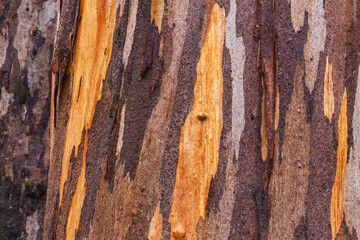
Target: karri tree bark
[205,120]
[26,43]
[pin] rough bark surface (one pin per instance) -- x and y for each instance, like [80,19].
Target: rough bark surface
[205,120]
[26,44]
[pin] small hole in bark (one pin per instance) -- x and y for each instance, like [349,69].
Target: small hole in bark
[202,116]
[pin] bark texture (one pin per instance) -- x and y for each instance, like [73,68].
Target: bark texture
[26,44]
[205,119]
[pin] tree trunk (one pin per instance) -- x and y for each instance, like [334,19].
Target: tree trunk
[205,120]
[26,42]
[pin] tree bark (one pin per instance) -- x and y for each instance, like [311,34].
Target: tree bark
[205,120]
[26,43]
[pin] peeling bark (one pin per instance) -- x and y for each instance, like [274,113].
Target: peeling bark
[205,120]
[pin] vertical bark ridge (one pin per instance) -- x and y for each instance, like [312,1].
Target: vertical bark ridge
[337,214]
[289,181]
[146,182]
[267,61]
[351,176]
[351,180]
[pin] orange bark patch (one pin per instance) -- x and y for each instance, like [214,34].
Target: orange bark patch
[95,35]
[328,91]
[77,200]
[200,138]
[156,225]
[337,191]
[157,11]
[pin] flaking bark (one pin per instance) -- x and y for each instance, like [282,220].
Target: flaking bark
[121,157]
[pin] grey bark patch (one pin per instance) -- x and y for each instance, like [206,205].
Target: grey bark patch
[298,8]
[4,43]
[315,41]
[5,100]
[34,29]
[237,51]
[32,226]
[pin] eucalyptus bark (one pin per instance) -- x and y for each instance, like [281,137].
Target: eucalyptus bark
[26,43]
[205,120]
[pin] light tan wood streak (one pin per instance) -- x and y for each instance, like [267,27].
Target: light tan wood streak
[157,11]
[156,225]
[200,137]
[264,142]
[328,91]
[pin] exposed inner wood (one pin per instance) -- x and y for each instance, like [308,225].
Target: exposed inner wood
[338,188]
[77,200]
[156,225]
[95,34]
[157,11]
[200,140]
[328,91]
